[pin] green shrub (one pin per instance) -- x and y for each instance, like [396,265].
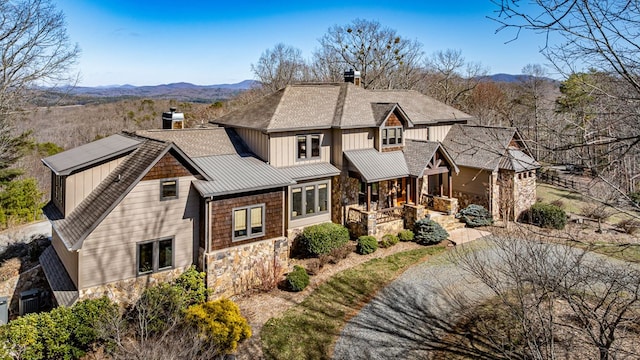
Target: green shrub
[92,315]
[298,279]
[161,306]
[20,202]
[429,232]
[547,216]
[322,238]
[21,338]
[388,241]
[405,235]
[366,245]
[475,215]
[219,322]
[191,282]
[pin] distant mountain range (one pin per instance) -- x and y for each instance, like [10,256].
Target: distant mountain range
[509,78]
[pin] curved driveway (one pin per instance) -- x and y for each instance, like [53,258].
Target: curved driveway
[406,318]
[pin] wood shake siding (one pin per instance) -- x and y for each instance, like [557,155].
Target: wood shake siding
[110,252]
[167,167]
[221,217]
[393,120]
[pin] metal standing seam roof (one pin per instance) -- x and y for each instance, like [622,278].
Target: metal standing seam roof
[518,161]
[310,171]
[377,166]
[77,226]
[66,162]
[231,174]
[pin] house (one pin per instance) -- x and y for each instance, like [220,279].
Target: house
[497,170]
[384,145]
[230,197]
[127,211]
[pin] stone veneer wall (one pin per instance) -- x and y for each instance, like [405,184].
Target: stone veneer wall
[466,199]
[524,192]
[444,204]
[234,270]
[128,291]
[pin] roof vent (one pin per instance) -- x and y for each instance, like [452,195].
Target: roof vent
[352,77]
[172,119]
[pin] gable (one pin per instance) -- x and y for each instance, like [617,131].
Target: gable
[168,167]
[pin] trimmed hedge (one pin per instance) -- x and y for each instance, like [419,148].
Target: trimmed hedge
[475,215]
[388,241]
[406,235]
[547,216]
[366,245]
[429,232]
[322,238]
[298,279]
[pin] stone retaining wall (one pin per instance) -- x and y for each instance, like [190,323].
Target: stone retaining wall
[234,270]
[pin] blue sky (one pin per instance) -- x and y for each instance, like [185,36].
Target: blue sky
[210,42]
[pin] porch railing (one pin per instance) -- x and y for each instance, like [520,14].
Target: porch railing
[389,214]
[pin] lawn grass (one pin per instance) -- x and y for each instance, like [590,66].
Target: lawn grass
[573,202]
[309,330]
[625,252]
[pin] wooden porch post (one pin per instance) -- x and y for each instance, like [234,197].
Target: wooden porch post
[368,197]
[450,186]
[417,191]
[441,185]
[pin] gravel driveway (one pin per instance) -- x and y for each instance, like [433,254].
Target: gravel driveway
[396,324]
[408,319]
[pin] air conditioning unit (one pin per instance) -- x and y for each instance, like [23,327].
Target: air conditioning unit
[29,301]
[4,310]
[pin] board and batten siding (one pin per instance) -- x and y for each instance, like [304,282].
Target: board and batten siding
[283,148]
[257,141]
[417,133]
[110,252]
[68,258]
[79,185]
[358,139]
[438,133]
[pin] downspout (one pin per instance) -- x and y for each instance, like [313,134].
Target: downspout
[206,236]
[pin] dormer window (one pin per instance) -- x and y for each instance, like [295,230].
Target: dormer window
[391,136]
[308,146]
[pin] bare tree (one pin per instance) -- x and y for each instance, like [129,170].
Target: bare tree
[601,36]
[34,51]
[450,77]
[279,67]
[383,57]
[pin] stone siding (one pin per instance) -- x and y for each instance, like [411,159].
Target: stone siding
[466,199]
[234,270]
[413,213]
[524,192]
[390,227]
[446,205]
[126,292]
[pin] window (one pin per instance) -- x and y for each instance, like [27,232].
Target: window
[168,189]
[309,199]
[248,222]
[391,136]
[154,256]
[308,146]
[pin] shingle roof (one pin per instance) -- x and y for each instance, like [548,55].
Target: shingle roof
[418,154]
[377,166]
[484,147]
[75,228]
[66,162]
[518,160]
[195,142]
[231,174]
[343,105]
[310,171]
[61,284]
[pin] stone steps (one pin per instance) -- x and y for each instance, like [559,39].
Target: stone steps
[448,222]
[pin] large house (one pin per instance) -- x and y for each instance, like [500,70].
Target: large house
[230,197]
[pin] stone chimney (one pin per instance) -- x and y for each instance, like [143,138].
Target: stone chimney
[352,77]
[172,119]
